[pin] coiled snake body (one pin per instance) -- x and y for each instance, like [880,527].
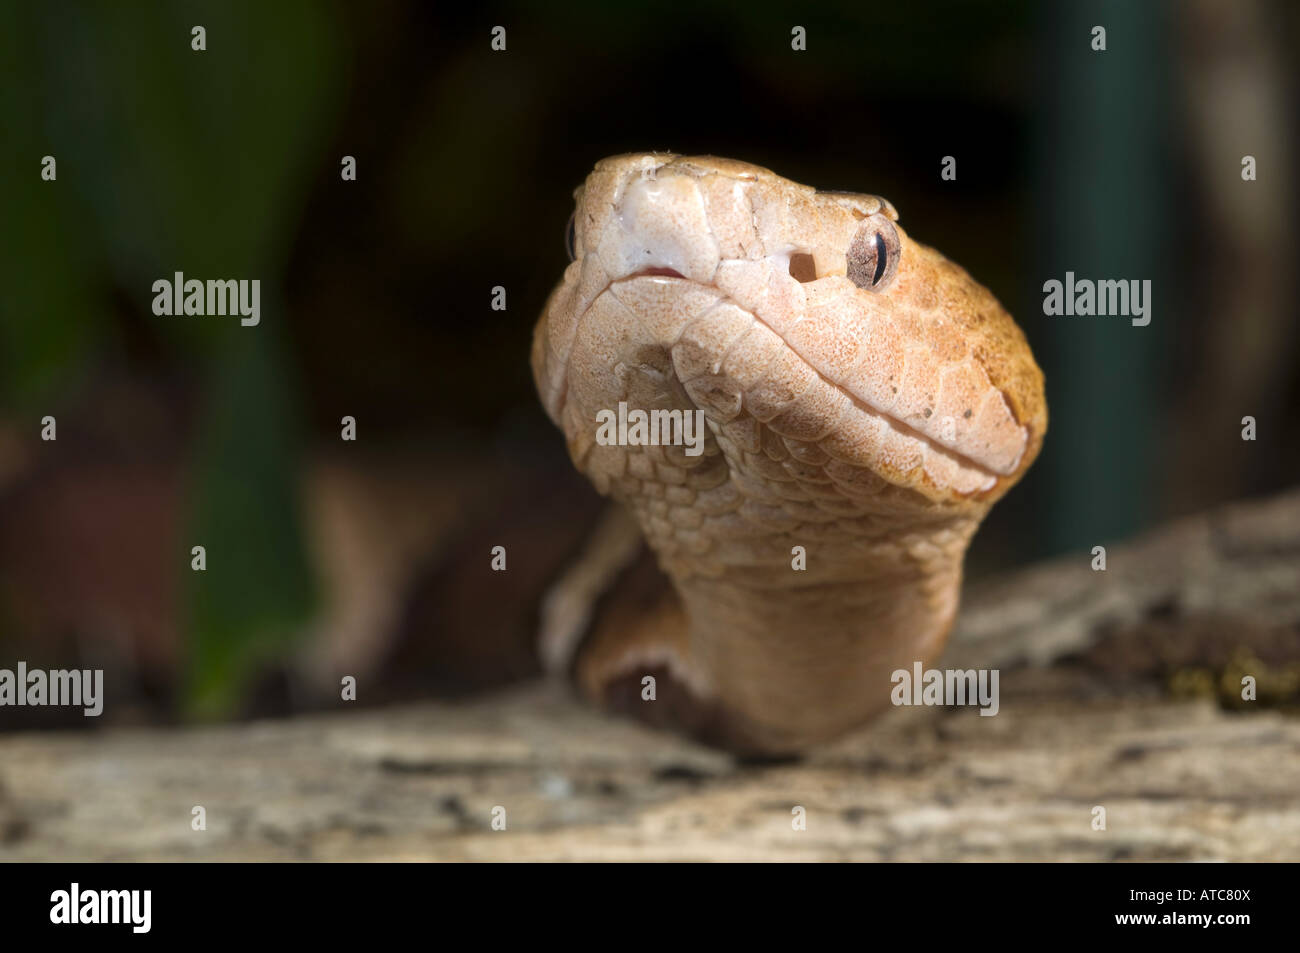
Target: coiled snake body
[866,402]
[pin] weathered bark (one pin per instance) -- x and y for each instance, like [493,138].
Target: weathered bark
[1118,689]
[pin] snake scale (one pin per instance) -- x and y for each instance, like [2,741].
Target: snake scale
[865,403]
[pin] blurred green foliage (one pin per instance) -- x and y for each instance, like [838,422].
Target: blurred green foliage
[171,159]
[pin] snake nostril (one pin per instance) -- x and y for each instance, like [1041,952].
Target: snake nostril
[802,267]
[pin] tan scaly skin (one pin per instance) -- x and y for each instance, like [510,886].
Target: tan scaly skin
[865,399]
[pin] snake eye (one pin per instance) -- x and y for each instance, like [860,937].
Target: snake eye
[571,237]
[873,253]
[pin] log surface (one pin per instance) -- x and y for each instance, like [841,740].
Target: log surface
[1119,689]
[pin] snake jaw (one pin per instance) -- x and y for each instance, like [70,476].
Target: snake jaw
[876,417]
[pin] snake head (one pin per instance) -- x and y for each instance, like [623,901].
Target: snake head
[858,403]
[788,315]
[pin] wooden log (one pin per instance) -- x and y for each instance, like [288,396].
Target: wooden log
[1119,690]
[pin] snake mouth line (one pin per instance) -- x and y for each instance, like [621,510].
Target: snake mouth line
[990,475]
[654,273]
[907,430]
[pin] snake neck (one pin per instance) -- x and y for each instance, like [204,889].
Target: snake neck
[798,633]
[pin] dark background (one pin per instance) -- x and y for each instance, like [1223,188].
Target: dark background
[370,558]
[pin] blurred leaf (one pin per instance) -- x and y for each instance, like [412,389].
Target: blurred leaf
[49,314]
[257,591]
[171,159]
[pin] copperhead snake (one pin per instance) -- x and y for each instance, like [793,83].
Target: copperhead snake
[865,401]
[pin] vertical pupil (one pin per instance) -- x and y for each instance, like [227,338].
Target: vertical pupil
[880,259]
